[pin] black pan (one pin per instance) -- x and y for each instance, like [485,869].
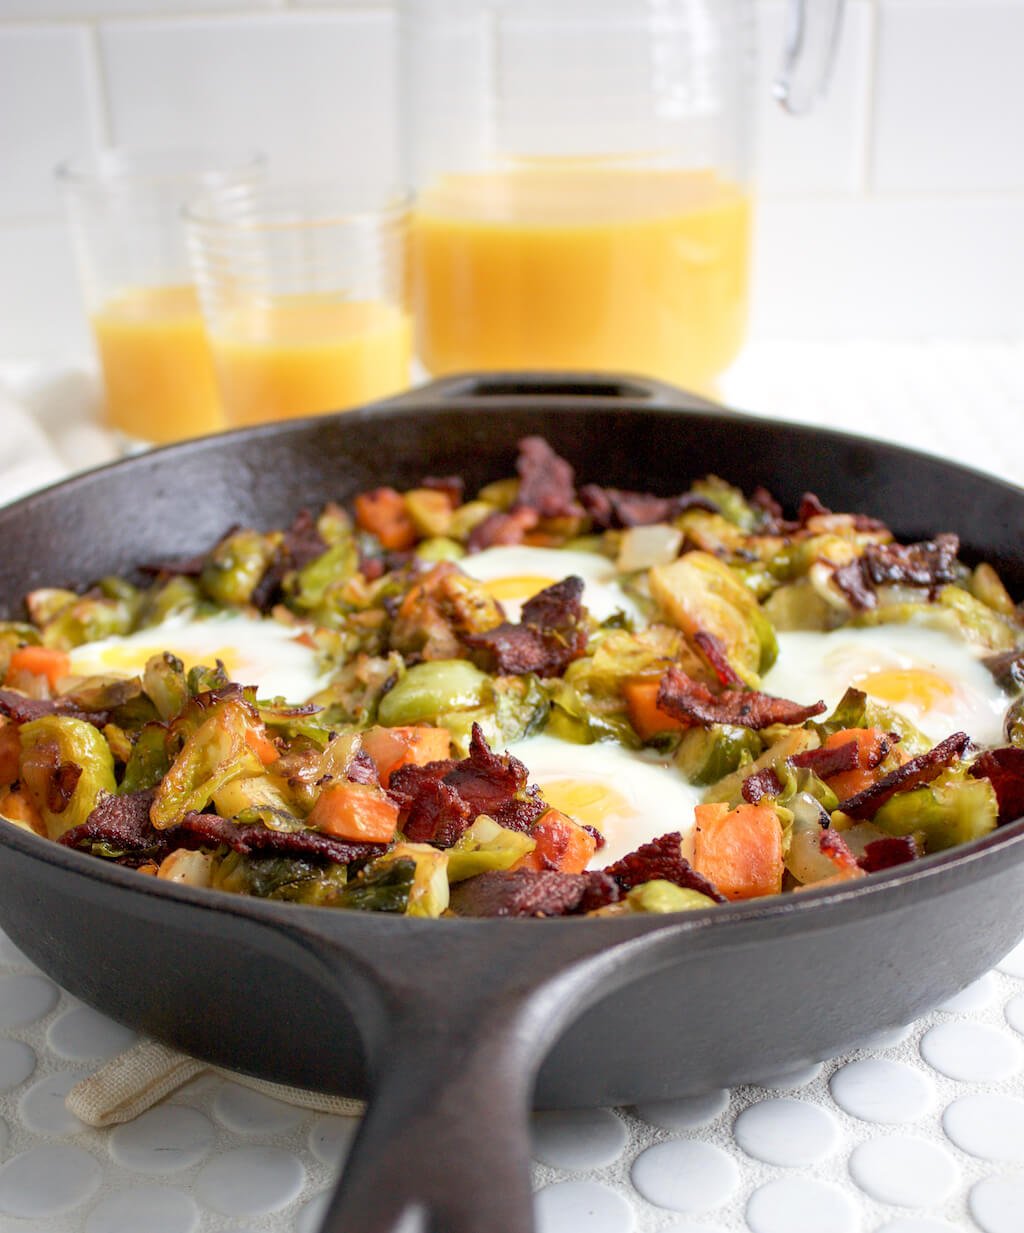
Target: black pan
[453,1027]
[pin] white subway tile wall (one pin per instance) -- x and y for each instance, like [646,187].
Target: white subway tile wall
[895,211]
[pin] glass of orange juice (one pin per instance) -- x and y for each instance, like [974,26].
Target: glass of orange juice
[124,208]
[302,289]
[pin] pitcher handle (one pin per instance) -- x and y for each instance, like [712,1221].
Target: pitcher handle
[813,31]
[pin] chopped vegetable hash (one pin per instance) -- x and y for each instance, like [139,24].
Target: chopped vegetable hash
[543,700]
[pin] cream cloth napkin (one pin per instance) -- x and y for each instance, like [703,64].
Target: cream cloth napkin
[143,1075]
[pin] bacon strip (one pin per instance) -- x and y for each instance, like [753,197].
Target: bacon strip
[528,892]
[852,580]
[208,830]
[121,824]
[502,529]
[890,851]
[547,639]
[547,483]
[23,709]
[759,785]
[713,650]
[616,507]
[684,698]
[920,770]
[1004,769]
[438,801]
[662,859]
[926,564]
[828,762]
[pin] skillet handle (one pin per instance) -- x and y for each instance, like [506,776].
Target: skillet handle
[446,1136]
[602,388]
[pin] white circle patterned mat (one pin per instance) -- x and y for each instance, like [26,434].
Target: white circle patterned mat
[920,1131]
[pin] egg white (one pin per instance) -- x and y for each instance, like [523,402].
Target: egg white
[629,796]
[516,573]
[257,652]
[930,676]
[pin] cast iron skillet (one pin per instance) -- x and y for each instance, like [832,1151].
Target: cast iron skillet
[451,1027]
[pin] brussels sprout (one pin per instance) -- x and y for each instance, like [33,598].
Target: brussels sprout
[790,742]
[798,605]
[164,681]
[440,548]
[950,810]
[178,596]
[804,857]
[1013,725]
[429,690]
[89,619]
[699,593]
[486,846]
[308,588]
[856,710]
[236,565]
[149,759]
[383,886]
[214,754]
[706,755]
[661,896]
[574,718]
[711,533]
[264,798]
[281,877]
[468,516]
[354,694]
[500,494]
[65,766]
[980,623]
[14,634]
[729,500]
[428,895]
[47,603]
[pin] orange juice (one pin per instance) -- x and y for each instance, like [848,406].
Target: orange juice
[157,368]
[306,354]
[575,266]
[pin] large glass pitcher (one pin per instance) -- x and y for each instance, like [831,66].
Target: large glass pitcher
[581,170]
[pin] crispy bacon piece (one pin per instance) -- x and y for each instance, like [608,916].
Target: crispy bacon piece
[926,564]
[23,709]
[834,846]
[852,580]
[547,639]
[684,698]
[438,801]
[300,544]
[362,769]
[761,499]
[208,830]
[759,785]
[502,529]
[828,762]
[528,892]
[811,507]
[547,483]
[920,770]
[713,650]
[121,824]
[662,859]
[617,507]
[1004,768]
[890,851]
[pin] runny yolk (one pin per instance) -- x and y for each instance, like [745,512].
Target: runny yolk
[918,687]
[518,586]
[132,659]
[585,801]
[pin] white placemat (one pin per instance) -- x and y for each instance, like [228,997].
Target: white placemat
[919,1131]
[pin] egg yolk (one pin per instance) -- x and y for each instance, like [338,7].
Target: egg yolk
[918,687]
[590,803]
[521,586]
[133,659]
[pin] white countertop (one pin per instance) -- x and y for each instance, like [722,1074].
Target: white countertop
[919,1131]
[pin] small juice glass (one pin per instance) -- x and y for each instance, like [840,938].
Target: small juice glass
[124,208]
[302,289]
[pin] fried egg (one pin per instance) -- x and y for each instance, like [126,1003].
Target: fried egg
[264,653]
[630,797]
[514,574]
[930,676]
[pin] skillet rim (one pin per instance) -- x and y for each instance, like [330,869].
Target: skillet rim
[813,901]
